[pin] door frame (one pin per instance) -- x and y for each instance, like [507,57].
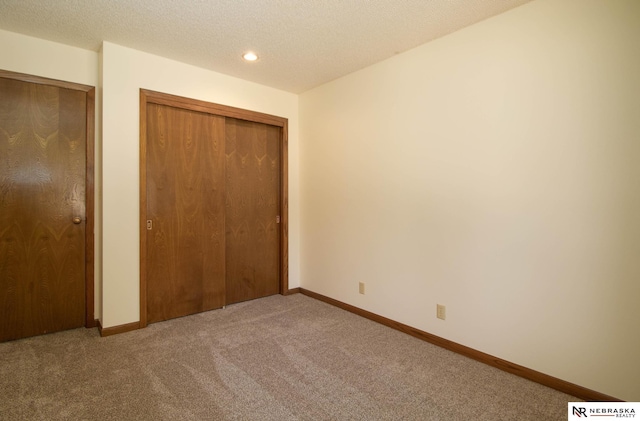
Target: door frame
[89,245]
[153,97]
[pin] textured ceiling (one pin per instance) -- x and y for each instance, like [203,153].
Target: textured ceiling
[301,43]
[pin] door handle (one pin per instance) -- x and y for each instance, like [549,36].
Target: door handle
[76,220]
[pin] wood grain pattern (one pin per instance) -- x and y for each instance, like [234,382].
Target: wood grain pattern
[143,208]
[89,237]
[48,82]
[42,253]
[89,91]
[185,200]
[252,205]
[279,124]
[524,372]
[211,108]
[284,208]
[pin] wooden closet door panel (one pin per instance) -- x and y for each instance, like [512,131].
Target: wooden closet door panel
[252,205]
[185,201]
[42,188]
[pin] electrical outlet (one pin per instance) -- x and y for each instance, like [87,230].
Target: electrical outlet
[361,288]
[441,311]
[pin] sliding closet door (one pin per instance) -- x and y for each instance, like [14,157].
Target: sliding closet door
[185,262]
[252,210]
[213,206]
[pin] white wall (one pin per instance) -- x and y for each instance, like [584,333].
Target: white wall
[124,72]
[38,57]
[23,54]
[495,171]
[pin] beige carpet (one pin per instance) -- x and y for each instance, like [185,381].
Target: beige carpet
[277,358]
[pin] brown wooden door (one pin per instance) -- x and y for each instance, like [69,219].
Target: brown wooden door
[185,204]
[252,210]
[42,189]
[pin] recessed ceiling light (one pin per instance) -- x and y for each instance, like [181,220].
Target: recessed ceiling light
[250,56]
